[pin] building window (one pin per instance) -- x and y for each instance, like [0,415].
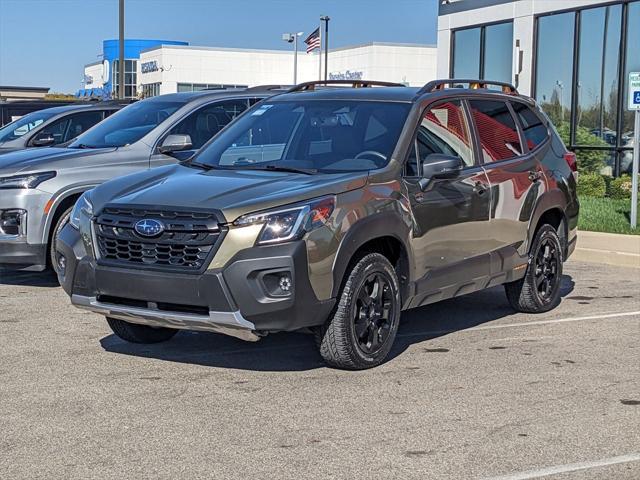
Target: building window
[130,78]
[484,52]
[150,90]
[578,83]
[194,87]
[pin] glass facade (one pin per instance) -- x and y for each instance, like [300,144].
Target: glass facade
[484,52]
[581,67]
[194,87]
[130,78]
[150,90]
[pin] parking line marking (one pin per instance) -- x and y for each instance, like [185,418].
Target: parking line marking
[572,467]
[526,324]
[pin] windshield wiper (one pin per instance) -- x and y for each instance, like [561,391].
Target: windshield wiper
[85,146]
[190,163]
[277,168]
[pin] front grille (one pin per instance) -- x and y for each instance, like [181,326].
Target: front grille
[187,242]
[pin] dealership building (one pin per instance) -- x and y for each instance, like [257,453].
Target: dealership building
[573,56]
[156,67]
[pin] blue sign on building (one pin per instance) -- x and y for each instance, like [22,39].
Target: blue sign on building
[110,54]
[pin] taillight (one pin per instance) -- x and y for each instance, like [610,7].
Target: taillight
[571,160]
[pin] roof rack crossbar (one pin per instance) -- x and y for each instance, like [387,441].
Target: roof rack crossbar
[267,87]
[308,86]
[473,84]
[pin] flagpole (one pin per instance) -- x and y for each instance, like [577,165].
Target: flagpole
[326,46]
[320,52]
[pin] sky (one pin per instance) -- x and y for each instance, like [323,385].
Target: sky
[48,42]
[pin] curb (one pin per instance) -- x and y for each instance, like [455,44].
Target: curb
[608,248]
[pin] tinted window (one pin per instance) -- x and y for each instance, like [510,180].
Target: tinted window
[23,125]
[129,124]
[57,129]
[466,55]
[80,123]
[498,52]
[535,132]
[205,122]
[497,130]
[443,130]
[554,66]
[327,135]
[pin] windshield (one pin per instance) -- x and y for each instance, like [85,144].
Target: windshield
[23,125]
[311,135]
[127,125]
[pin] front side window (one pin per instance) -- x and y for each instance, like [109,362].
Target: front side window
[443,130]
[497,130]
[318,135]
[80,123]
[23,125]
[128,125]
[205,122]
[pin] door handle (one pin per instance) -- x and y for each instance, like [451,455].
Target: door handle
[535,175]
[480,188]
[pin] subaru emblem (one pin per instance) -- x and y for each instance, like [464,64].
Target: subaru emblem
[149,227]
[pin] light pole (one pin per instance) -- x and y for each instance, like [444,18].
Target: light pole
[560,85]
[293,38]
[121,50]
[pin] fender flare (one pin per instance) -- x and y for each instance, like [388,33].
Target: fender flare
[383,224]
[60,197]
[551,200]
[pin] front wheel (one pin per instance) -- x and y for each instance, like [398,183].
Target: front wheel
[134,333]
[362,329]
[539,290]
[61,221]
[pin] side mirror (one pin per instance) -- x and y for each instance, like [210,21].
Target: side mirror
[43,139]
[175,143]
[440,166]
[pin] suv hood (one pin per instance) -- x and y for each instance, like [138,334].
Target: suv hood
[232,192]
[42,159]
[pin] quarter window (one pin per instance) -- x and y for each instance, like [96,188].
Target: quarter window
[443,130]
[497,130]
[535,132]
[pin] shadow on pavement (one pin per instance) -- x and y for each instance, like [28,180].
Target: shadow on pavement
[30,279]
[297,352]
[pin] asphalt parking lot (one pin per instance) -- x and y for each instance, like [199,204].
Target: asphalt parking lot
[473,391]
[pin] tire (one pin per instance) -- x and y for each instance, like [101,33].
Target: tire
[363,326]
[135,333]
[59,225]
[539,290]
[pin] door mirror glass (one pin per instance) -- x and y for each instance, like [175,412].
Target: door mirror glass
[175,143]
[43,139]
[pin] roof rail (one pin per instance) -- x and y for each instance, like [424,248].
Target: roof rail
[309,86]
[262,88]
[473,84]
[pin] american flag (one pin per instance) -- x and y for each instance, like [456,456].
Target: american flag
[313,40]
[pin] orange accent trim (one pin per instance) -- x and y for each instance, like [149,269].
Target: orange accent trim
[48,206]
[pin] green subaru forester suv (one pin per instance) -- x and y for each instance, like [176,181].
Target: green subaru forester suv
[330,209]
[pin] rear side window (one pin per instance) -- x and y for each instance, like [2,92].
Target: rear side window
[497,130]
[535,132]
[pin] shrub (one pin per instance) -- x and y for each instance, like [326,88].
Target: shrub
[592,185]
[589,161]
[620,188]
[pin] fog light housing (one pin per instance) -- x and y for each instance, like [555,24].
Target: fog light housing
[62,264]
[13,222]
[278,284]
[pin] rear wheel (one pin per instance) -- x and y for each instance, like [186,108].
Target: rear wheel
[134,333]
[362,329]
[539,290]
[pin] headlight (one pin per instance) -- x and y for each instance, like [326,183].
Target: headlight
[82,207]
[25,181]
[283,225]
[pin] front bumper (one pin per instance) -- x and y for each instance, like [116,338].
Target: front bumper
[20,255]
[237,299]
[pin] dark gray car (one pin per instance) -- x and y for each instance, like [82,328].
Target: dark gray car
[38,187]
[332,210]
[53,126]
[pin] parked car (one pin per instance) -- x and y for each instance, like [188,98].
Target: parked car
[10,111]
[53,126]
[332,210]
[38,187]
